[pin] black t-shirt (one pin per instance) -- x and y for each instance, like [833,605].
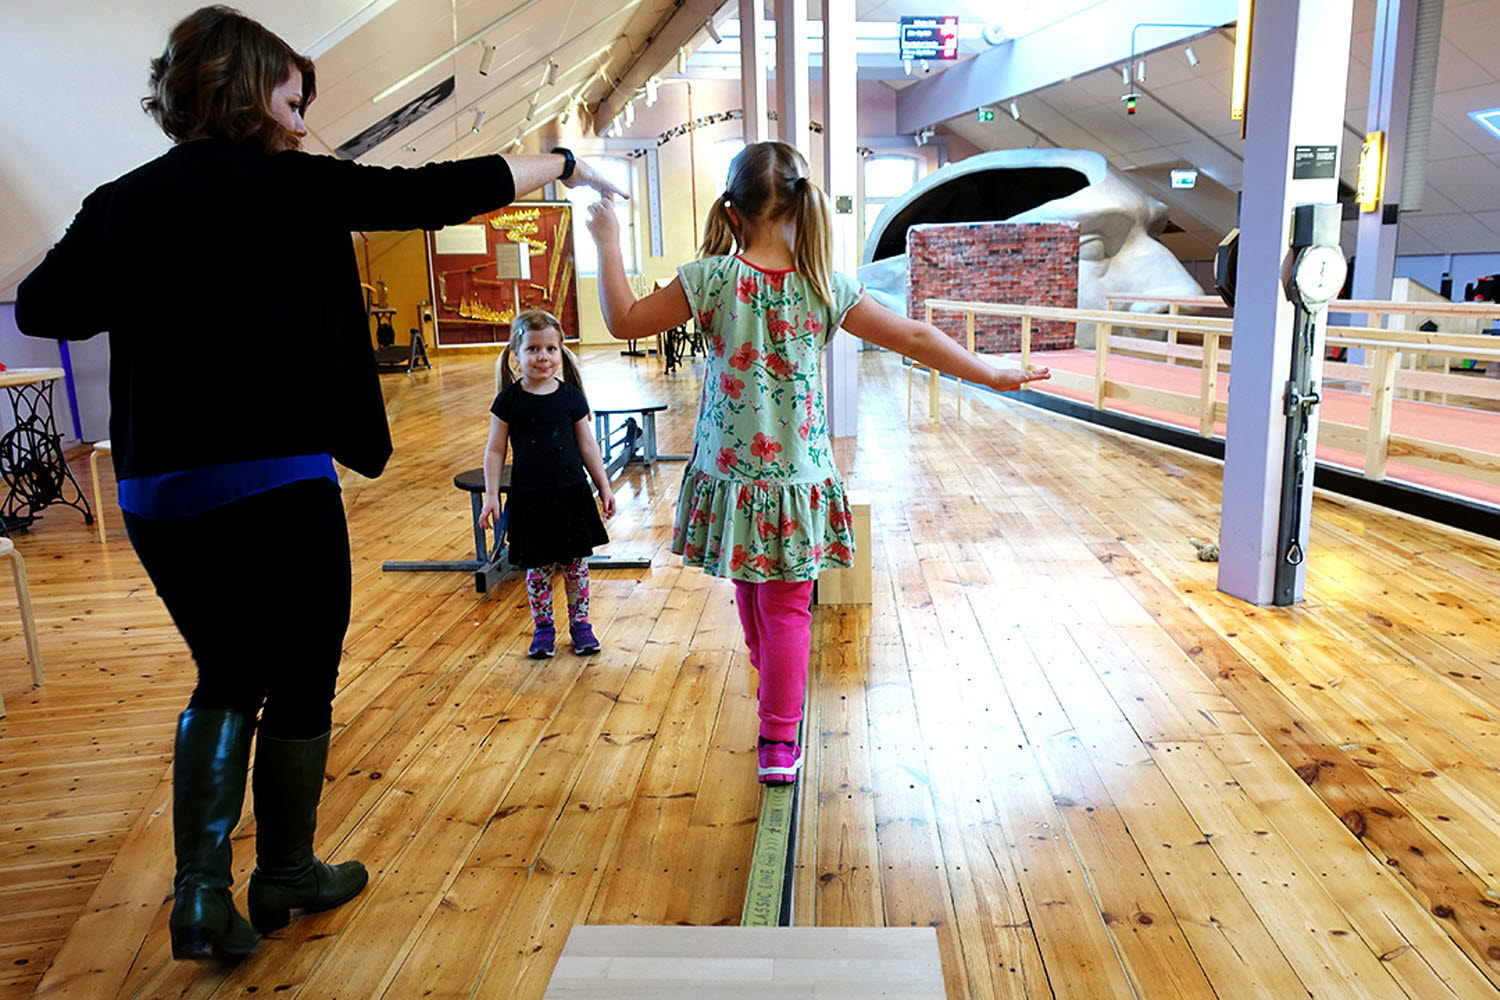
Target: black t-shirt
[543,443]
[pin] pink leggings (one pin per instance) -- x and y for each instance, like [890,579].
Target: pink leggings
[777,618]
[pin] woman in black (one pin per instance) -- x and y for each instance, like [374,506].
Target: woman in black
[225,462]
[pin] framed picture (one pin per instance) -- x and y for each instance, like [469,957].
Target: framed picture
[495,265]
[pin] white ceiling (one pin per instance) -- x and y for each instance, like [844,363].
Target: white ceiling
[69,117]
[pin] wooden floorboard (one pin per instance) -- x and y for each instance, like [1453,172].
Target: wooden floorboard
[1050,737]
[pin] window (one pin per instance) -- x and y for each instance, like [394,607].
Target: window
[618,171]
[886,177]
[720,155]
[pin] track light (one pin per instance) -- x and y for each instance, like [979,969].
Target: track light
[629,114]
[567,113]
[1140,71]
[551,72]
[652,85]
[1015,110]
[1192,57]
[713,32]
[1125,74]
[681,61]
[531,108]
[487,61]
[478,120]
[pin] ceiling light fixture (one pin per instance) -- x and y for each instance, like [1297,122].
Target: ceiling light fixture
[531,108]
[478,36]
[1125,75]
[1192,57]
[487,61]
[1015,110]
[1140,71]
[478,120]
[629,114]
[653,85]
[713,32]
[552,68]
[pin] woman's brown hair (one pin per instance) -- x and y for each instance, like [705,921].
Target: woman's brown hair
[215,78]
[526,322]
[768,180]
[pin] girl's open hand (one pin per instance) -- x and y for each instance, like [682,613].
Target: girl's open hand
[1008,379]
[489,513]
[603,225]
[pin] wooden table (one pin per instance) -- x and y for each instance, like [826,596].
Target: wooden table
[32,467]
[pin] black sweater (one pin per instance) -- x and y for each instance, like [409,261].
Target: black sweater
[228,283]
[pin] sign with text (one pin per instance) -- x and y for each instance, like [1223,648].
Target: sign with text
[929,38]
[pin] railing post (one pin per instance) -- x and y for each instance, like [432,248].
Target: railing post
[1026,341]
[1382,393]
[1101,356]
[969,331]
[1172,333]
[1208,393]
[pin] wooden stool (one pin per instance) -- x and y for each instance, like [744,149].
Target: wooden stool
[854,585]
[100,448]
[28,624]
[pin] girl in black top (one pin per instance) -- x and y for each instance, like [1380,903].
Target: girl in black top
[551,520]
[226,470]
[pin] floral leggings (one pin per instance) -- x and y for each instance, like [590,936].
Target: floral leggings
[575,582]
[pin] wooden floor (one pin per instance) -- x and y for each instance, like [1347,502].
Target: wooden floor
[1050,737]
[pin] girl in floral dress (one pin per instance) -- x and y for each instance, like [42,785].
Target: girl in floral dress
[762,502]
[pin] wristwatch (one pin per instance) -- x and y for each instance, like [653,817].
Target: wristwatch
[569,162]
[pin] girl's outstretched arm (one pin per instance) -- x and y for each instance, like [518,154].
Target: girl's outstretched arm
[627,318]
[588,449]
[494,464]
[869,320]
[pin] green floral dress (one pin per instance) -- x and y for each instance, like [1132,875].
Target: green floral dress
[761,498]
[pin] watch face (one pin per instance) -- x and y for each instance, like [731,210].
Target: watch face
[1319,273]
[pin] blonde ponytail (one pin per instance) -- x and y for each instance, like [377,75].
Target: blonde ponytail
[719,237]
[813,252]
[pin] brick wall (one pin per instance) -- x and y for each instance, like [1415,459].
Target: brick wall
[1031,263]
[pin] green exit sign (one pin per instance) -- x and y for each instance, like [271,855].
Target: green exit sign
[985,114]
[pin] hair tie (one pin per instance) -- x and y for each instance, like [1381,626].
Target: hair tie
[800,183]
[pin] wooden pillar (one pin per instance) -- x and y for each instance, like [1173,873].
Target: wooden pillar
[841,165]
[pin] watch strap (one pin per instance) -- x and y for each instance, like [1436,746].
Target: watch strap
[569,162]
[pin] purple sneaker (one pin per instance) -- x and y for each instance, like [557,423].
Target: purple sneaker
[584,642]
[541,642]
[779,762]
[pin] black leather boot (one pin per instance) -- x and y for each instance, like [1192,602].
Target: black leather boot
[208,792]
[288,784]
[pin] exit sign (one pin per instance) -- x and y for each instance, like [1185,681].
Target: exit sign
[929,39]
[1184,178]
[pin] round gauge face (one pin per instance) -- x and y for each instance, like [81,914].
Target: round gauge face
[1319,273]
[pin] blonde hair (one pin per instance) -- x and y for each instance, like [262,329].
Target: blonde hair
[768,180]
[507,368]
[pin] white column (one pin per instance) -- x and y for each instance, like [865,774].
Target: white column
[1390,104]
[791,74]
[841,165]
[753,71]
[1299,60]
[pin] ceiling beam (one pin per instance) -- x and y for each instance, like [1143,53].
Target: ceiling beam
[676,31]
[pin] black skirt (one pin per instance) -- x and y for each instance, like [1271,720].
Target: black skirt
[545,527]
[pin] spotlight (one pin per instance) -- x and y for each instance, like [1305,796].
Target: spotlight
[551,72]
[487,61]
[925,136]
[1125,75]
[629,114]
[567,113]
[531,108]
[713,32]
[652,85]
[681,61]
[1192,57]
[1015,110]
[478,120]
[1140,71]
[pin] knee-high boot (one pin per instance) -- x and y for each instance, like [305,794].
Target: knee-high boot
[208,792]
[288,783]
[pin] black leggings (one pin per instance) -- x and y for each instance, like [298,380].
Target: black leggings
[259,588]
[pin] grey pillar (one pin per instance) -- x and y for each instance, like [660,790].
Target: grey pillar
[753,71]
[791,74]
[841,165]
[1299,60]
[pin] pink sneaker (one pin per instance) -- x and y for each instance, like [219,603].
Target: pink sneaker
[779,762]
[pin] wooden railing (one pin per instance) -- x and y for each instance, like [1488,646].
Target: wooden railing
[1380,374]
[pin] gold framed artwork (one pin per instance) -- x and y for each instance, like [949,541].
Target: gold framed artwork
[486,270]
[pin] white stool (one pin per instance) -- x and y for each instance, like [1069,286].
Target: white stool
[100,448]
[28,624]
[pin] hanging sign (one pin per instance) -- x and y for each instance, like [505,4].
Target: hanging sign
[929,39]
